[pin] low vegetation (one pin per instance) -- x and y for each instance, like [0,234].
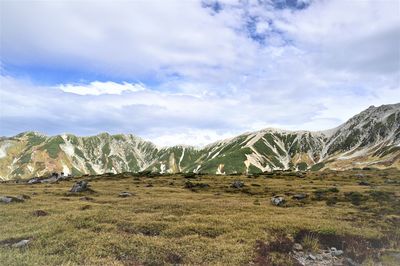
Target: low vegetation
[203,219]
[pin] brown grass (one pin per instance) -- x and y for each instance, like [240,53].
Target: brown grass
[168,223]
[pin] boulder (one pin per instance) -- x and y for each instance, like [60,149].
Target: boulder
[237,184]
[34,181]
[278,200]
[10,199]
[80,186]
[299,196]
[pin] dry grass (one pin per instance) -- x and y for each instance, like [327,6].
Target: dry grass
[169,223]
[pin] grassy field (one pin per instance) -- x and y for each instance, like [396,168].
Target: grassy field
[180,219]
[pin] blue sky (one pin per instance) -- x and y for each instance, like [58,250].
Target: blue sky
[192,72]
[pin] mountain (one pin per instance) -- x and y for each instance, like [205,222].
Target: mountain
[371,138]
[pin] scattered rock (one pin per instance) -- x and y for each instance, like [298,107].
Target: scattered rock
[278,200]
[299,196]
[390,181]
[237,184]
[336,252]
[10,199]
[364,183]
[350,262]
[125,194]
[52,179]
[80,186]
[39,213]
[86,207]
[34,181]
[149,185]
[311,257]
[21,243]
[297,247]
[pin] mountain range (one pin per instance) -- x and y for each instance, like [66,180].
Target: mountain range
[369,139]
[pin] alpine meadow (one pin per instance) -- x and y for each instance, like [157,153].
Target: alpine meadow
[200,132]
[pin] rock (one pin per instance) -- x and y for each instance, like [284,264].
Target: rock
[278,200]
[52,179]
[80,186]
[364,183]
[10,199]
[237,184]
[336,252]
[311,257]
[297,247]
[125,194]
[39,213]
[350,262]
[34,181]
[299,196]
[21,243]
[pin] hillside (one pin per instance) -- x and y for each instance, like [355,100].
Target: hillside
[369,139]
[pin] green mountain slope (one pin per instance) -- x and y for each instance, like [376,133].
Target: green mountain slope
[371,138]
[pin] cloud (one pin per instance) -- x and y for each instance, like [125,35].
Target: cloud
[194,72]
[97,88]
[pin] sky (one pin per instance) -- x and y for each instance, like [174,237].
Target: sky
[193,72]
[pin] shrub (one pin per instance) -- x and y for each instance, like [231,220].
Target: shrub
[354,197]
[189,175]
[310,242]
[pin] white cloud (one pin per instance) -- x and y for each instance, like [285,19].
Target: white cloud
[204,77]
[97,88]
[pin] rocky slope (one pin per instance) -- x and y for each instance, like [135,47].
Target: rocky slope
[371,138]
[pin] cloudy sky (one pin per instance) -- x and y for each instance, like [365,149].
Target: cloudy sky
[192,72]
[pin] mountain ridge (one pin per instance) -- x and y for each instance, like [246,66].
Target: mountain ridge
[370,138]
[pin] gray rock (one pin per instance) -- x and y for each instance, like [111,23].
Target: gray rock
[297,247]
[10,199]
[299,196]
[125,194]
[364,183]
[335,252]
[52,179]
[311,257]
[34,181]
[351,262]
[21,243]
[80,186]
[278,200]
[237,184]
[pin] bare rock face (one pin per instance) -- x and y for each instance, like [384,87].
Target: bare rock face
[80,186]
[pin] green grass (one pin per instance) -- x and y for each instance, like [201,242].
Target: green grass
[167,223]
